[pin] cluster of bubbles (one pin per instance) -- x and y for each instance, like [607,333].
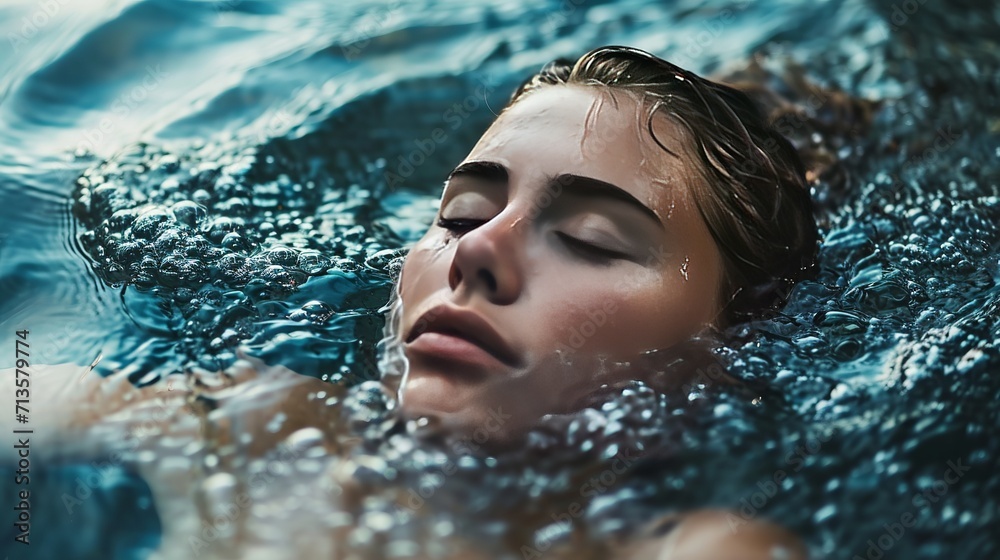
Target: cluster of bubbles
[219,239]
[893,349]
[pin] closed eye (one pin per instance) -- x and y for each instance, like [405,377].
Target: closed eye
[459,226]
[589,250]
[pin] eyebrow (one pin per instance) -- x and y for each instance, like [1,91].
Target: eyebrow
[580,186]
[486,170]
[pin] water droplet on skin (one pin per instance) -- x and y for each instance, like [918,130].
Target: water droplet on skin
[275,424]
[684,267]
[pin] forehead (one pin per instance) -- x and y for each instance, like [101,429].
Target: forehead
[595,132]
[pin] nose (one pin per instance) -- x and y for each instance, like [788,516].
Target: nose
[487,260]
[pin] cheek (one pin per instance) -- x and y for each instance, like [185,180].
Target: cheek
[622,318]
[420,268]
[670,313]
[594,317]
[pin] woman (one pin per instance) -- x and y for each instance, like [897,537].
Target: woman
[617,205]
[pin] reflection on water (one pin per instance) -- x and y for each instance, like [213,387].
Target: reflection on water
[184,179]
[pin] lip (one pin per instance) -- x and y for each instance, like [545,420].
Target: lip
[460,335]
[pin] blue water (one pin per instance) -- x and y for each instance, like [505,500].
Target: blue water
[260,135]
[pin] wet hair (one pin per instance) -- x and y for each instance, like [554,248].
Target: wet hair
[756,205]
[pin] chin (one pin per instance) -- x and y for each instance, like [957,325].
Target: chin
[467,421]
[427,393]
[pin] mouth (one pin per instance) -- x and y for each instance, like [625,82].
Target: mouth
[458,335]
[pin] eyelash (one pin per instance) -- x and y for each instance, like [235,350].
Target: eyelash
[457,227]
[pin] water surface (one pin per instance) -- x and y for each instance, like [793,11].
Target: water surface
[182,179]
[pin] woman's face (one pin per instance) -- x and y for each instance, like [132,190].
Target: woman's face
[567,239]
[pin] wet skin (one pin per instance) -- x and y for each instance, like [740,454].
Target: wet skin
[569,236]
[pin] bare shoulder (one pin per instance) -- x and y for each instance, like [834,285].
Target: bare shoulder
[717,535]
[69,400]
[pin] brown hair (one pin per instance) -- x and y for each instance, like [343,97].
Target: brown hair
[757,204]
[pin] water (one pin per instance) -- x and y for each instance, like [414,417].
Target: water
[267,160]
